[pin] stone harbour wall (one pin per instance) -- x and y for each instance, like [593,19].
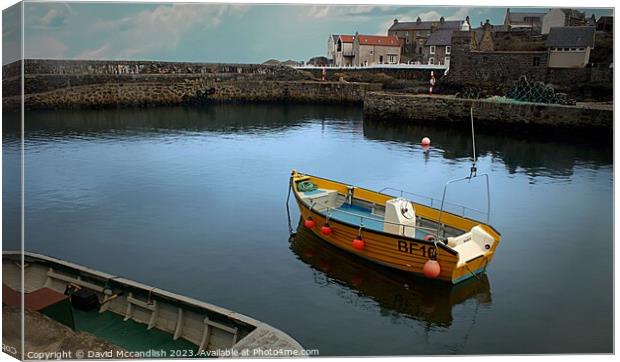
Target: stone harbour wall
[197,91]
[119,67]
[47,75]
[434,110]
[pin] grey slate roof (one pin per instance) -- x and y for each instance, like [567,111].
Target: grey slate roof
[440,37]
[571,36]
[426,25]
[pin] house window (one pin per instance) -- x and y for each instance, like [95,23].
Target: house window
[446,60]
[420,50]
[581,49]
[392,59]
[573,49]
[380,59]
[371,52]
[565,49]
[432,49]
[536,61]
[448,49]
[431,60]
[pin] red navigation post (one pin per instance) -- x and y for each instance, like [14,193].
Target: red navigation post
[433,80]
[323,74]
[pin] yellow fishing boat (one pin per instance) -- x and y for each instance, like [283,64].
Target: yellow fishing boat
[394,231]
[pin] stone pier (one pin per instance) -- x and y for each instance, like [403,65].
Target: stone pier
[439,109]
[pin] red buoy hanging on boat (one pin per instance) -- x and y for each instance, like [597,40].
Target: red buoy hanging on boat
[326,229]
[431,269]
[358,243]
[429,237]
[426,141]
[309,223]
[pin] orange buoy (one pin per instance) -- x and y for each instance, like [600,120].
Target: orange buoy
[326,229]
[431,269]
[426,141]
[309,223]
[358,243]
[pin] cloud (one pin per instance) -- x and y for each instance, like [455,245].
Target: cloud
[161,28]
[460,14]
[56,16]
[347,13]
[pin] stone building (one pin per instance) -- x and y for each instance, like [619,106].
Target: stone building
[485,36]
[375,49]
[570,47]
[343,53]
[491,69]
[521,20]
[412,35]
[437,49]
[557,17]
[497,37]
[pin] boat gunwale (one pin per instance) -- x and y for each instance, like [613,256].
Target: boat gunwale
[378,232]
[173,298]
[295,172]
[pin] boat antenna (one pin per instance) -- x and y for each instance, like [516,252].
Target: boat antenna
[473,169]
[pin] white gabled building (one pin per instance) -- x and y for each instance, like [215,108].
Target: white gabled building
[570,46]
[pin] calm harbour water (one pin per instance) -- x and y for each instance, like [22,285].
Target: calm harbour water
[192,200]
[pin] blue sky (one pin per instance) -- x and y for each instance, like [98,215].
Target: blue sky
[207,32]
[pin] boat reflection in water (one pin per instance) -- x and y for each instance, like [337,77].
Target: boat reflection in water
[397,291]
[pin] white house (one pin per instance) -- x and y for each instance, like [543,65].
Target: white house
[570,46]
[343,56]
[557,17]
[331,47]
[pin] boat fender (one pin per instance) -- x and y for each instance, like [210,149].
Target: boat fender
[431,269]
[326,229]
[309,223]
[429,237]
[358,243]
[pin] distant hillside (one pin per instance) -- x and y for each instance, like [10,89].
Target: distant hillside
[288,63]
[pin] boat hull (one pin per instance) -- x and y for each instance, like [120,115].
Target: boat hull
[134,309]
[395,251]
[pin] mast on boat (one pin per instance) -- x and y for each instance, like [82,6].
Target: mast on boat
[473,173]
